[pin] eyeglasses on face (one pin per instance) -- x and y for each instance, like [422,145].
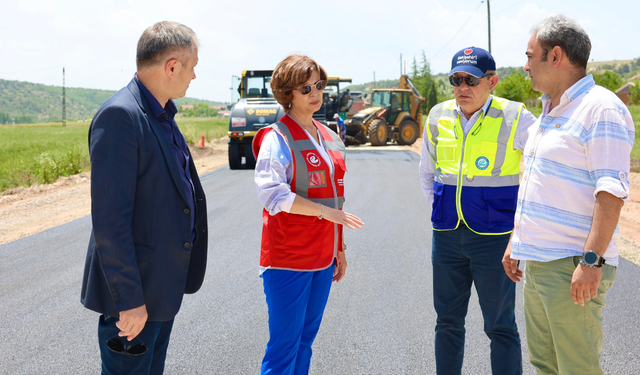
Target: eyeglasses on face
[320,85]
[471,81]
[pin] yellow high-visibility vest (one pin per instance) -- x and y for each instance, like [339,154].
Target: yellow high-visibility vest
[476,177]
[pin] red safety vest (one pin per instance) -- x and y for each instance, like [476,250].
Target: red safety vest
[298,242]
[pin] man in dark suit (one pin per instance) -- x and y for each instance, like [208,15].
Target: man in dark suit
[148,246]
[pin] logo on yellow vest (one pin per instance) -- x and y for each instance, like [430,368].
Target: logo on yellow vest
[482,163]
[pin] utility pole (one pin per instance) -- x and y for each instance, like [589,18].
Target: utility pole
[400,64]
[489,24]
[64,101]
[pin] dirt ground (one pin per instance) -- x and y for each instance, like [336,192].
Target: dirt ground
[40,207]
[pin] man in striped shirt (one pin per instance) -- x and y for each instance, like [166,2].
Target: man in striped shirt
[575,182]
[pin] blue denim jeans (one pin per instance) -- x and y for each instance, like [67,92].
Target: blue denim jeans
[296,302]
[154,335]
[461,258]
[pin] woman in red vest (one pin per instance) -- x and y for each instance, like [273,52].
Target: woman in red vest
[300,181]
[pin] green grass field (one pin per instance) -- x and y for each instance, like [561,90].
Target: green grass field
[40,153]
[32,154]
[210,127]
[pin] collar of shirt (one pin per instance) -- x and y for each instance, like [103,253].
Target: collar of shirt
[167,113]
[574,92]
[467,124]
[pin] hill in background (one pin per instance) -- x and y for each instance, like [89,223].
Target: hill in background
[42,103]
[629,70]
[31,102]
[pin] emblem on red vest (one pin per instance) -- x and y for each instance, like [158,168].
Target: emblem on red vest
[468,51]
[313,159]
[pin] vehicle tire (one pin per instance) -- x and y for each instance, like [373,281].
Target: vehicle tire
[378,132]
[408,132]
[235,160]
[248,156]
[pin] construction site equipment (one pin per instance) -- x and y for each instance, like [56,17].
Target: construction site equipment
[255,109]
[358,103]
[394,115]
[334,101]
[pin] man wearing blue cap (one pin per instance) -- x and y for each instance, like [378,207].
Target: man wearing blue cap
[469,171]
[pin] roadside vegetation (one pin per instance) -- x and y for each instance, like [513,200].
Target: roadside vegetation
[31,154]
[210,127]
[635,151]
[41,153]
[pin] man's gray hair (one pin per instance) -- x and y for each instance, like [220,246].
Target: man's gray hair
[564,32]
[162,39]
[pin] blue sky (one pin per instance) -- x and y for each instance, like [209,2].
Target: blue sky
[96,41]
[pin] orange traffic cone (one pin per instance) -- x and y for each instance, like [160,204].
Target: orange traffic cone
[201,144]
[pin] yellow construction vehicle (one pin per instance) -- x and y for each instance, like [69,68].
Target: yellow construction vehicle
[394,115]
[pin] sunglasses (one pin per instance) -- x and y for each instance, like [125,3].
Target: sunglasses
[118,345]
[471,81]
[320,85]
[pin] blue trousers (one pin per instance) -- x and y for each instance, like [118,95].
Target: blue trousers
[461,258]
[296,302]
[154,335]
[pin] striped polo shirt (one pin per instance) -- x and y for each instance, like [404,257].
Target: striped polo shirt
[573,152]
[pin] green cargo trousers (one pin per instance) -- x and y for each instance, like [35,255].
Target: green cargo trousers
[563,337]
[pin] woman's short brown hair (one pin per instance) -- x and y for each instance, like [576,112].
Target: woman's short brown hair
[289,74]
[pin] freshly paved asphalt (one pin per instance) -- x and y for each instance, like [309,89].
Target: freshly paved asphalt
[379,319]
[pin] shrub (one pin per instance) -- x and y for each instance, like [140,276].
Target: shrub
[610,80]
[46,169]
[516,86]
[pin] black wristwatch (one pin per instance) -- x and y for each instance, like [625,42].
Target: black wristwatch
[592,259]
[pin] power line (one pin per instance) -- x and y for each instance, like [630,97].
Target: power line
[476,26]
[504,10]
[463,25]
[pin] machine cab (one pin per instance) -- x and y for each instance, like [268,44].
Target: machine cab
[255,84]
[395,102]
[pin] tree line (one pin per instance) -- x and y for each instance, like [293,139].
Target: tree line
[514,83]
[425,83]
[6,119]
[516,86]
[198,110]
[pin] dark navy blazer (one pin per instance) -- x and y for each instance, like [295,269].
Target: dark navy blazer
[140,250]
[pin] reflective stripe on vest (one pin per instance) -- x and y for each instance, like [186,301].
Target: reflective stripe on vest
[476,177]
[298,242]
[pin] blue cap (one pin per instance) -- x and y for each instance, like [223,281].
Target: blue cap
[473,60]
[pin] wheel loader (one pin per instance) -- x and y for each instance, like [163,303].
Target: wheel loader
[394,115]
